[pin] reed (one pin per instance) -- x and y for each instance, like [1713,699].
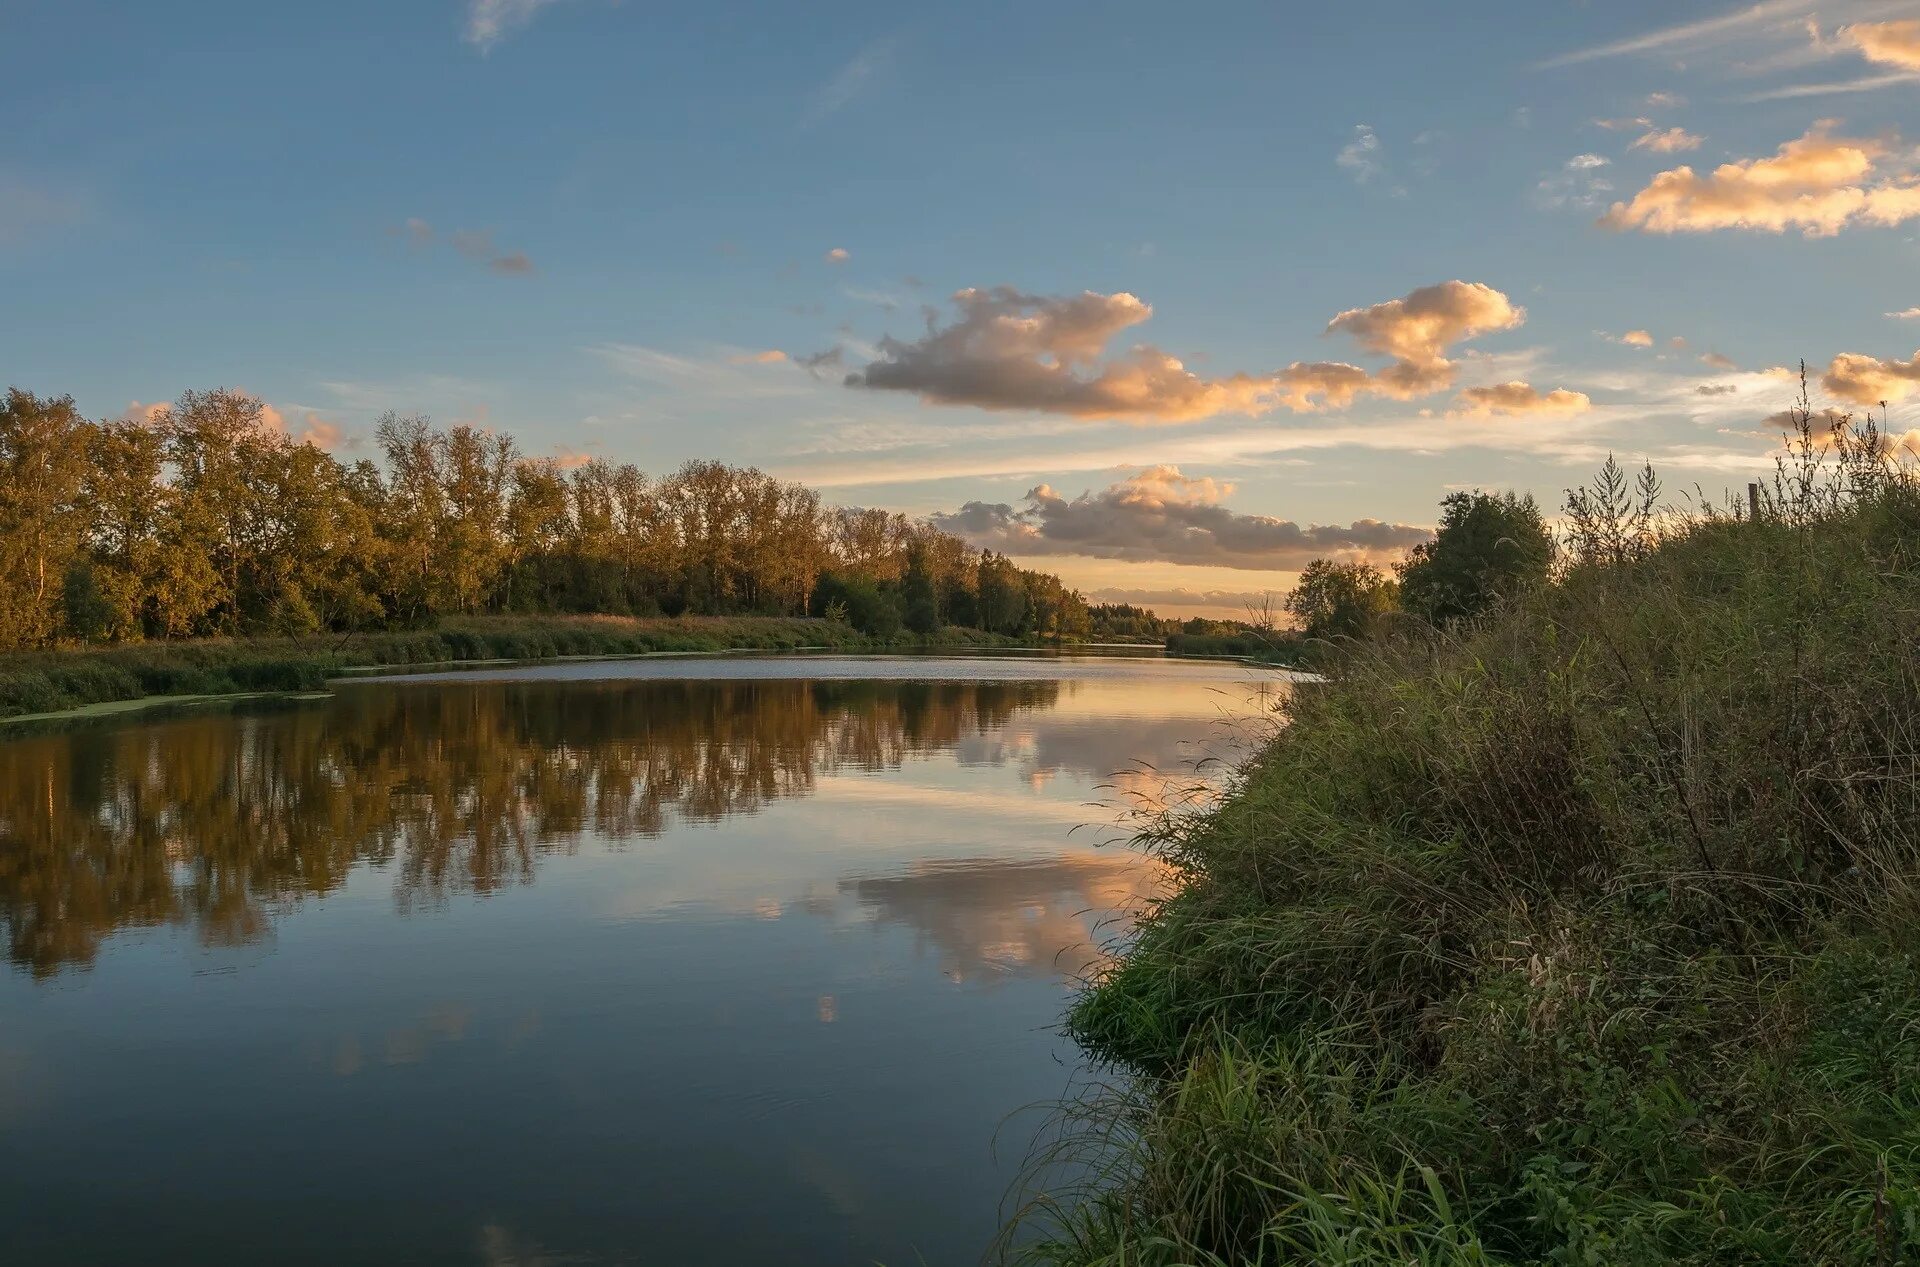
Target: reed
[1584,932]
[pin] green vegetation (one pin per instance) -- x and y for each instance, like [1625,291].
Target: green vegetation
[37,682]
[1585,930]
[205,519]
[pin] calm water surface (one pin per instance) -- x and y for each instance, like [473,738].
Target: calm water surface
[658,962]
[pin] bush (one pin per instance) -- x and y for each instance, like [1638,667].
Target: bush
[1586,932]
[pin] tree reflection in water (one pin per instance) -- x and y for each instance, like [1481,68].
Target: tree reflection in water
[216,822]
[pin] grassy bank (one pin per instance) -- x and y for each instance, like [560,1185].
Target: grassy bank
[57,681]
[1586,934]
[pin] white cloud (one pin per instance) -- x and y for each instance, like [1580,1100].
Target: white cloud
[849,81]
[1670,141]
[1580,182]
[490,21]
[1360,157]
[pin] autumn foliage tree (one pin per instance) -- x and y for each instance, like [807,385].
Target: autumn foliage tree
[206,518]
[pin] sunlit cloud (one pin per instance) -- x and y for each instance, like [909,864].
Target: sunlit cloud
[1010,350]
[1885,43]
[1818,184]
[1637,338]
[1518,399]
[1419,329]
[1162,515]
[838,255]
[1905,314]
[1869,380]
[772,356]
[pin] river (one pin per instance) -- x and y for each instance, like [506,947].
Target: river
[718,961]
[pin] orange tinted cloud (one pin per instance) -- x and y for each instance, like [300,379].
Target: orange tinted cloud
[772,356]
[1818,184]
[838,255]
[1637,338]
[1419,328]
[1010,350]
[1518,398]
[1889,43]
[1868,380]
[320,433]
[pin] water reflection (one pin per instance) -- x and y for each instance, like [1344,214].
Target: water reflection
[215,823]
[797,937]
[991,918]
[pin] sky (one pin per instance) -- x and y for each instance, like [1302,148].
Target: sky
[1167,299]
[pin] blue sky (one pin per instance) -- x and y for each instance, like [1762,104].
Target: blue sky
[593,224]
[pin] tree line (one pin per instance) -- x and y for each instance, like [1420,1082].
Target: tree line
[205,518]
[1489,546]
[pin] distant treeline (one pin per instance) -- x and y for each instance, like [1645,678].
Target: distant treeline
[205,518]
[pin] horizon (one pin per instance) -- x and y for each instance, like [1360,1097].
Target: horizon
[1166,308]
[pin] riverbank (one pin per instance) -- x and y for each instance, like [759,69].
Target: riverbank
[45,685]
[1588,934]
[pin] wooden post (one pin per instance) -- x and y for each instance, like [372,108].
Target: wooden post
[1753,502]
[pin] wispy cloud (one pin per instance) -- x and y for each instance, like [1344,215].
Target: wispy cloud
[1669,141]
[849,81]
[475,244]
[1581,182]
[1774,37]
[1868,84]
[1688,34]
[490,21]
[728,373]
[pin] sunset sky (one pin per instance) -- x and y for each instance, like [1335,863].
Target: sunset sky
[1166,298]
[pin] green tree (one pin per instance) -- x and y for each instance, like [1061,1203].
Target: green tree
[126,503]
[1002,594]
[1341,600]
[922,610]
[1489,545]
[43,466]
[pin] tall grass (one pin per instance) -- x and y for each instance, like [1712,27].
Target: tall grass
[55,681]
[1587,933]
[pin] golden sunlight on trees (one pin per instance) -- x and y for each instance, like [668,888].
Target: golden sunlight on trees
[206,518]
